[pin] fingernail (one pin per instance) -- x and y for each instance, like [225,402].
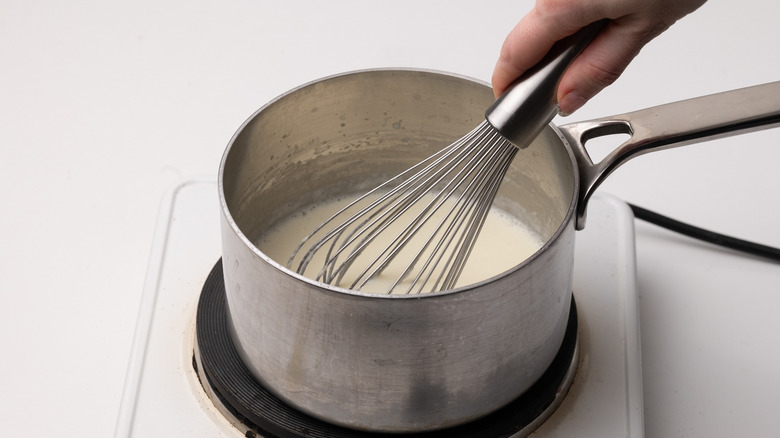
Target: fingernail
[571,102]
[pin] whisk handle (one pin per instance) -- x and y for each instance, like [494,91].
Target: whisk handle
[530,103]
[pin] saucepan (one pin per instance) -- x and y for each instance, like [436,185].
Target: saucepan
[426,362]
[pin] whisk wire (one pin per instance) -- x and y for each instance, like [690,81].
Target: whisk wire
[477,219]
[427,164]
[472,208]
[430,178]
[387,208]
[461,181]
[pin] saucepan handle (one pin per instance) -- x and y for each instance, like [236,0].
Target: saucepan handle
[670,125]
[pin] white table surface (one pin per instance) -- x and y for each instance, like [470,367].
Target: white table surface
[106,105]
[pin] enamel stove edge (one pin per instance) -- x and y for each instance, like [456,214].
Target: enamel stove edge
[163,397]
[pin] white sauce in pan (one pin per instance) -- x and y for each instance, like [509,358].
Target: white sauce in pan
[503,243]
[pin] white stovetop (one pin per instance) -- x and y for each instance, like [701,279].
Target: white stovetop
[105,105]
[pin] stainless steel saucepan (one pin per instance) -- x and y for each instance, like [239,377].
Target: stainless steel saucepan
[418,363]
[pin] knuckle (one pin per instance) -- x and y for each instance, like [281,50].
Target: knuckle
[601,76]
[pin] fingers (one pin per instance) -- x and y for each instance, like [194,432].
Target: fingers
[533,37]
[521,50]
[601,63]
[632,25]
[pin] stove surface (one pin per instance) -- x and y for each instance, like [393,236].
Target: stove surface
[163,397]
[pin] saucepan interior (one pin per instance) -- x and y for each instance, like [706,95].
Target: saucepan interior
[345,135]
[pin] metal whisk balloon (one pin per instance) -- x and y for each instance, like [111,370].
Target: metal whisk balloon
[414,233]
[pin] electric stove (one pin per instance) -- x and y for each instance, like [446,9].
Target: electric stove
[169,393]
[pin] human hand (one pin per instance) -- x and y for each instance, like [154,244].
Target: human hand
[633,23]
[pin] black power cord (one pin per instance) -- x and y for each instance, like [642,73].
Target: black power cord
[745,246]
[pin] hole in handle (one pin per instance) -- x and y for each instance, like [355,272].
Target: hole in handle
[600,141]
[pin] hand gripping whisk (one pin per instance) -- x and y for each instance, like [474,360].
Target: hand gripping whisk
[414,233]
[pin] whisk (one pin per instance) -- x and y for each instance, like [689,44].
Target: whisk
[414,233]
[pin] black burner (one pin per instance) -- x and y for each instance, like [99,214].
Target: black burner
[269,417]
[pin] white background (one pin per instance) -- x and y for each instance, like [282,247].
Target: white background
[104,105]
